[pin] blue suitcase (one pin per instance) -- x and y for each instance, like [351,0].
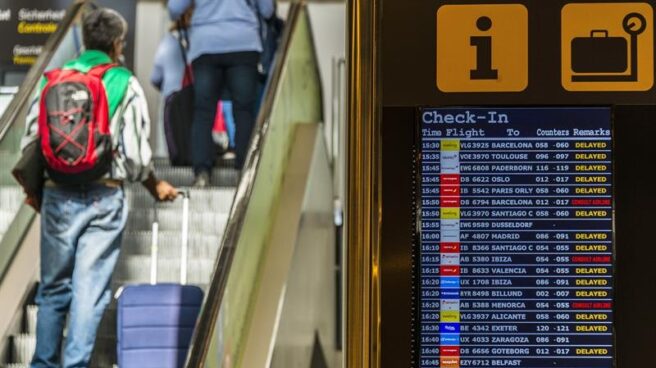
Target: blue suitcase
[155,322]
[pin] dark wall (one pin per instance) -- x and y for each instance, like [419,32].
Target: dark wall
[635,202]
[397,237]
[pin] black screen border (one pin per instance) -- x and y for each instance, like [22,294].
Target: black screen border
[417,218]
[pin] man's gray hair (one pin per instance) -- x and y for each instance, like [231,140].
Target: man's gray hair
[101,28]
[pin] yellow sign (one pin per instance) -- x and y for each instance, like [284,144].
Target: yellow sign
[450,213]
[451,145]
[450,316]
[482,48]
[607,47]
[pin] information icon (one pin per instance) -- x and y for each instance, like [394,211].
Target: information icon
[607,47]
[482,48]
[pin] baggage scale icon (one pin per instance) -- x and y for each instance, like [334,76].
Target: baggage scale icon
[604,58]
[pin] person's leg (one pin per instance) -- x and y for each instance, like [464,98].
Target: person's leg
[174,154]
[60,228]
[208,81]
[242,78]
[95,259]
[230,121]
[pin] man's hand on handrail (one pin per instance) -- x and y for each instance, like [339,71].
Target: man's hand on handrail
[161,190]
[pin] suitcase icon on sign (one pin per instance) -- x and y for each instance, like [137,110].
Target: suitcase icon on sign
[604,58]
[599,53]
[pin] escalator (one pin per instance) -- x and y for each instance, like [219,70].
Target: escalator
[253,237]
[10,198]
[208,215]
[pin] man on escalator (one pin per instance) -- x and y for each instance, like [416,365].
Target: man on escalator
[91,121]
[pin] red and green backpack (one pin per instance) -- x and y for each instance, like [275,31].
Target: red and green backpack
[74,121]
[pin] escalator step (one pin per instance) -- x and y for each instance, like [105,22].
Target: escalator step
[216,200]
[6,217]
[136,269]
[22,348]
[107,328]
[184,176]
[169,219]
[104,352]
[200,245]
[30,319]
[220,164]
[11,197]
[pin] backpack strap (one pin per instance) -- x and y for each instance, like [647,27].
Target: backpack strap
[183,42]
[115,79]
[99,71]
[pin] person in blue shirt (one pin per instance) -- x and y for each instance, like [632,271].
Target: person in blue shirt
[168,76]
[224,50]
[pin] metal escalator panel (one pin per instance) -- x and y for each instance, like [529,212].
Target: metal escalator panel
[9,198]
[6,96]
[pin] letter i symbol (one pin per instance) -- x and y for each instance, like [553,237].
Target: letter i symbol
[483,45]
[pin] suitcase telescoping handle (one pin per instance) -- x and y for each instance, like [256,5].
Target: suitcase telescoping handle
[154,247]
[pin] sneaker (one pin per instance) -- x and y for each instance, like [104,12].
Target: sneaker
[229,155]
[202,180]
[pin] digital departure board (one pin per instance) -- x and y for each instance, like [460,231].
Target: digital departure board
[516,242]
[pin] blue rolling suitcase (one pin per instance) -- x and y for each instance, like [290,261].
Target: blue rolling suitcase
[155,322]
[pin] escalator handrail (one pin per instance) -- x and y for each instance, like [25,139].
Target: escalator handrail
[202,337]
[24,95]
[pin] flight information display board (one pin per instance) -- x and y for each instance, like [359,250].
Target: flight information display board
[516,243]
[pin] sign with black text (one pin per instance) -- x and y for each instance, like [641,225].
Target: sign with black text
[26,25]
